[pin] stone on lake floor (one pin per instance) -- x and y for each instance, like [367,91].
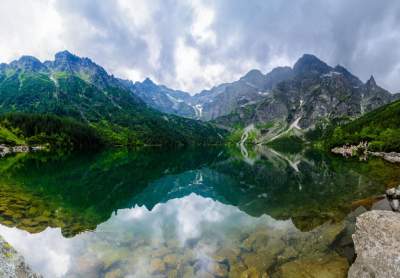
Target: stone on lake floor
[319,239]
[157,266]
[261,262]
[188,272]
[253,273]
[319,267]
[171,260]
[225,253]
[237,269]
[217,269]
[173,274]
[377,244]
[160,252]
[115,273]
[203,274]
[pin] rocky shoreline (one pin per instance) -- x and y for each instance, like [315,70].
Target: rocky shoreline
[13,264]
[361,150]
[6,150]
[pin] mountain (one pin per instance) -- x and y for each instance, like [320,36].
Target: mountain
[162,98]
[79,88]
[251,88]
[380,127]
[209,104]
[315,95]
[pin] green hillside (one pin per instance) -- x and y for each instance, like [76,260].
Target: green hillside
[78,88]
[9,138]
[381,128]
[44,129]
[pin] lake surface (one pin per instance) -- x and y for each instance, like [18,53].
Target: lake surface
[210,212]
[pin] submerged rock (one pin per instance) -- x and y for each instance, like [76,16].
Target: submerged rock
[259,261]
[377,244]
[217,269]
[323,267]
[157,266]
[253,273]
[171,260]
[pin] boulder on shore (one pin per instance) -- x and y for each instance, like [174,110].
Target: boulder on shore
[377,244]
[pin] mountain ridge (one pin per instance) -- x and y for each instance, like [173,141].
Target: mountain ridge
[71,86]
[254,86]
[315,95]
[300,97]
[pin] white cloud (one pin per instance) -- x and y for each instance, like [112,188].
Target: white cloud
[201,28]
[194,45]
[29,27]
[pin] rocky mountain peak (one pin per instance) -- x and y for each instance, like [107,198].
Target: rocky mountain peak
[254,73]
[65,61]
[28,63]
[84,67]
[254,78]
[353,79]
[310,64]
[341,69]
[148,82]
[277,75]
[66,56]
[279,70]
[371,83]
[147,85]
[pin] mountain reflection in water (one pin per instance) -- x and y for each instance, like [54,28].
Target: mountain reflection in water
[199,212]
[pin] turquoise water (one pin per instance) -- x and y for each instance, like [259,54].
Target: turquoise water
[209,212]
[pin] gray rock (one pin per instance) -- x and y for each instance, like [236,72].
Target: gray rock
[377,244]
[393,195]
[382,205]
[392,157]
[391,192]
[395,204]
[13,264]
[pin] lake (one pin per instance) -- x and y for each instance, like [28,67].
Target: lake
[204,212]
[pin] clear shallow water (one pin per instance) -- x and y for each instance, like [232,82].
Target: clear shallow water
[203,212]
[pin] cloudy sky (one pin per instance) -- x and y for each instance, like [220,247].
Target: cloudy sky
[193,45]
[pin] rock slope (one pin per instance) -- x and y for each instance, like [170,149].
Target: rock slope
[316,93]
[249,89]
